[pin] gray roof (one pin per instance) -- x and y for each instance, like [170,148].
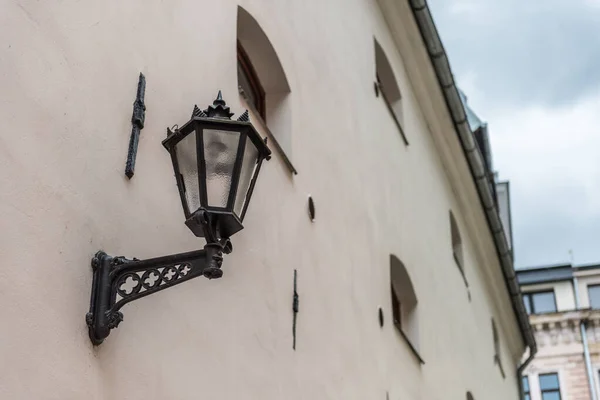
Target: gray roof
[545,274]
[587,267]
[551,273]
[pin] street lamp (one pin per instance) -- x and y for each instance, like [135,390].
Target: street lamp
[216,162]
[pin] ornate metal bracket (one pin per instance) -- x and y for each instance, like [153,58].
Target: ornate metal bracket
[118,280]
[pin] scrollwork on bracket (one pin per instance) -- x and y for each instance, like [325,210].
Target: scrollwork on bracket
[133,285]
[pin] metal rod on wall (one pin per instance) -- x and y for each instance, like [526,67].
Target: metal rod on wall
[137,121]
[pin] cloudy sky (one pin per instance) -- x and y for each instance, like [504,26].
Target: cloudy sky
[532,71]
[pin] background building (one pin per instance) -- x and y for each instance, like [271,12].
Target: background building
[404,274]
[564,306]
[500,189]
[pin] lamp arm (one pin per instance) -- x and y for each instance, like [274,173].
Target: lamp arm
[118,281]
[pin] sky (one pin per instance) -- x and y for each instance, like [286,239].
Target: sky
[532,71]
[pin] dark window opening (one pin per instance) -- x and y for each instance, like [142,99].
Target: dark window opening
[404,305]
[457,247]
[497,359]
[594,295]
[387,86]
[263,85]
[249,83]
[396,309]
[550,386]
[540,302]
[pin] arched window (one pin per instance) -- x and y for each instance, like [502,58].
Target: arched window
[496,337]
[262,82]
[470,396]
[457,250]
[404,303]
[387,86]
[496,340]
[249,83]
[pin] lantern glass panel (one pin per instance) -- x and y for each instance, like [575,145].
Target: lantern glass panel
[220,153]
[188,168]
[249,164]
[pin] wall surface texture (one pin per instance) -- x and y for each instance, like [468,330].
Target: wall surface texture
[68,76]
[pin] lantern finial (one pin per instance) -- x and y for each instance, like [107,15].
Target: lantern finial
[218,109]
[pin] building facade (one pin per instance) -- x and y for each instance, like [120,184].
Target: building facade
[564,306]
[404,277]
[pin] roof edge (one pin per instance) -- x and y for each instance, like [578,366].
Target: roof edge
[543,267]
[441,65]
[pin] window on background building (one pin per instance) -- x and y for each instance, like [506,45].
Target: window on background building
[388,87]
[550,387]
[470,396]
[594,295]
[457,250]
[404,303]
[526,395]
[539,302]
[262,81]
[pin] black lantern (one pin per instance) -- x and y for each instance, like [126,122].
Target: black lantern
[216,162]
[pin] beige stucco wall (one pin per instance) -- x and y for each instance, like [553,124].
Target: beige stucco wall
[68,73]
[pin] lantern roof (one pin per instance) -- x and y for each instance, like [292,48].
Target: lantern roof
[218,109]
